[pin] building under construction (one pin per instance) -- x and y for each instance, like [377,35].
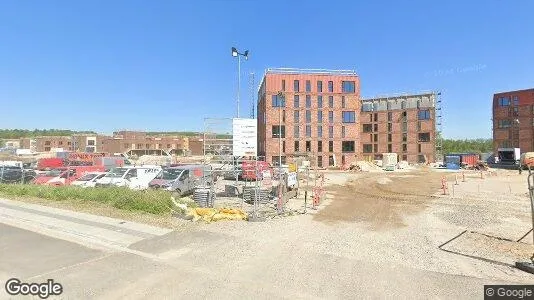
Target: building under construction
[319,114]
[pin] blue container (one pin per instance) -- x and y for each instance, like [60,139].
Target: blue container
[452,166]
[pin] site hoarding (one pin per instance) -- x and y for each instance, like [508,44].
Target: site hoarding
[244,135]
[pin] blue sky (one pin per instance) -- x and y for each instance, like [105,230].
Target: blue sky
[165,65]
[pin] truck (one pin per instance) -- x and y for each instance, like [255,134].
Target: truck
[50,163]
[15,174]
[182,180]
[137,178]
[89,179]
[509,155]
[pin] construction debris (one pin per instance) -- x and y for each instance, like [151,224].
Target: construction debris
[209,215]
[364,166]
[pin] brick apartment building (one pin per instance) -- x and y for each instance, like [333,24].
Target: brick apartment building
[319,114]
[513,120]
[404,124]
[309,112]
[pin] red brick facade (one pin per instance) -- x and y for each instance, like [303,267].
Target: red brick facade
[513,120]
[330,141]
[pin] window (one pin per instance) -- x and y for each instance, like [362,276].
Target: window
[284,146]
[283,116]
[516,111]
[279,131]
[330,86]
[308,101]
[348,146]
[375,127]
[168,146]
[331,116]
[504,101]
[296,131]
[139,146]
[46,149]
[367,128]
[319,86]
[308,116]
[419,148]
[331,132]
[404,126]
[147,146]
[61,142]
[308,130]
[320,116]
[320,146]
[331,101]
[405,157]
[296,116]
[418,125]
[375,106]
[343,102]
[320,101]
[308,86]
[47,143]
[283,84]
[349,117]
[375,137]
[423,114]
[278,101]
[390,116]
[308,146]
[424,137]
[330,146]
[390,148]
[319,161]
[375,117]
[504,123]
[296,101]
[320,131]
[370,117]
[342,131]
[296,86]
[404,137]
[366,107]
[277,159]
[390,127]
[296,146]
[343,159]
[404,147]
[348,87]
[403,105]
[389,138]
[367,148]
[388,106]
[418,103]
[331,160]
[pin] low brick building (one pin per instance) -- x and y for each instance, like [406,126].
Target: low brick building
[513,120]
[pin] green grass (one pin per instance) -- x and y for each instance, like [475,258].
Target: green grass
[151,201]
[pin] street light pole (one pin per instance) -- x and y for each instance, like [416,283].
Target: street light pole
[280,100]
[237,54]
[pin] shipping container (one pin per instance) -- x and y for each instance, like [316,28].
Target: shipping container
[463,159]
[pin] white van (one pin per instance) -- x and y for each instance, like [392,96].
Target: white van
[136,178]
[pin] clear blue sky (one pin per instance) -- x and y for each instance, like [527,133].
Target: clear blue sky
[165,65]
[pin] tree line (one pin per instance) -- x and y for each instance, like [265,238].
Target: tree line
[25,133]
[467,145]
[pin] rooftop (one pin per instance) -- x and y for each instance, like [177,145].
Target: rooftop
[310,71]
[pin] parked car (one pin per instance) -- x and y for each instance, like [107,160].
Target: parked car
[16,174]
[133,177]
[183,179]
[73,173]
[89,179]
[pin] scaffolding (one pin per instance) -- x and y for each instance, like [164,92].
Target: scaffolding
[439,128]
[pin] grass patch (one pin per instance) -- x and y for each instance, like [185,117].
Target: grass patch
[156,202]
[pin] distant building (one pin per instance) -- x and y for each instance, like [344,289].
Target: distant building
[513,120]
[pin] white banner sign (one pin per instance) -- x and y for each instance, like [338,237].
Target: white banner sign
[245,137]
[292,179]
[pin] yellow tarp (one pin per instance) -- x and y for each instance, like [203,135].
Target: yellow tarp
[213,214]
